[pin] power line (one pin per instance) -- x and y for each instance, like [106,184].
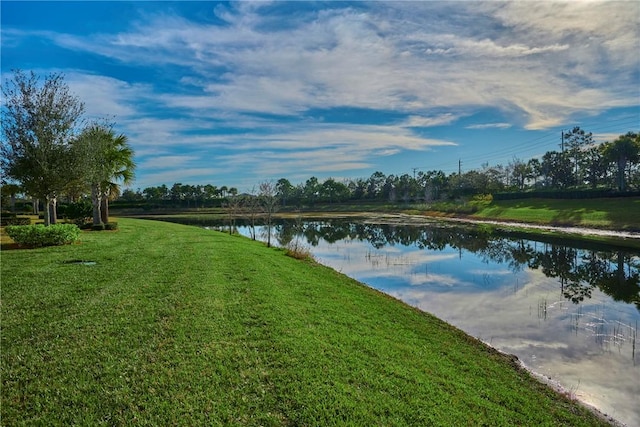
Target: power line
[538,143]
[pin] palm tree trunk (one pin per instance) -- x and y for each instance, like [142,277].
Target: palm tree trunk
[104,209]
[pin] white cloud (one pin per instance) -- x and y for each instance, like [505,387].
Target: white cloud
[387,152]
[438,120]
[105,96]
[605,137]
[536,64]
[489,126]
[165,162]
[540,64]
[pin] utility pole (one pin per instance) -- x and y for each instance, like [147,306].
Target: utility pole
[459,167]
[562,140]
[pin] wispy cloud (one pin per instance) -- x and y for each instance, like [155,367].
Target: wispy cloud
[164,162]
[244,79]
[438,120]
[489,126]
[322,61]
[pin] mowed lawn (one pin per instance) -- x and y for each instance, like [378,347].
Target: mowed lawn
[613,213]
[165,324]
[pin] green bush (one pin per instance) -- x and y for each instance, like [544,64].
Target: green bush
[452,207]
[97,227]
[79,212]
[111,226]
[38,235]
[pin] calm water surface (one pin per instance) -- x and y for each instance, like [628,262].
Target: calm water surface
[570,313]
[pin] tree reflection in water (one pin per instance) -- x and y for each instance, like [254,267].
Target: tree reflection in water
[579,269]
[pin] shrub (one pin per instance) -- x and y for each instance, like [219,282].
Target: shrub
[6,217]
[459,208]
[482,198]
[97,227]
[79,212]
[297,250]
[111,226]
[18,221]
[38,235]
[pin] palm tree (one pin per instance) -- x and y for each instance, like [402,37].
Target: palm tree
[105,160]
[625,149]
[121,169]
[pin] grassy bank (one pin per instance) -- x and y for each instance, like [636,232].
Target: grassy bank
[615,213]
[165,324]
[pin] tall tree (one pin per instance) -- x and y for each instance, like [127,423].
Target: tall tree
[210,192]
[625,149]
[432,182]
[311,190]
[407,187]
[284,190]
[375,185]
[556,168]
[594,166]
[576,141]
[39,120]
[358,188]
[536,169]
[333,191]
[389,188]
[520,173]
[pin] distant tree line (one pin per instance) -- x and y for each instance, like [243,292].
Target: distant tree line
[179,195]
[580,166]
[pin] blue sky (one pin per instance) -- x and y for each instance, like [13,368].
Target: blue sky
[240,93]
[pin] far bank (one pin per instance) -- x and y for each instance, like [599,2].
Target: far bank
[611,221]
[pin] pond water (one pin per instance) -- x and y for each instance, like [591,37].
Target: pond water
[571,313]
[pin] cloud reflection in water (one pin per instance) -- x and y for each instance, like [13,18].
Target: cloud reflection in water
[522,297]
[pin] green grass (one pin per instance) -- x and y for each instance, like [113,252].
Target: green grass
[175,325]
[619,213]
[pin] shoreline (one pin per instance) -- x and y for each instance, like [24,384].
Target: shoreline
[411,219]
